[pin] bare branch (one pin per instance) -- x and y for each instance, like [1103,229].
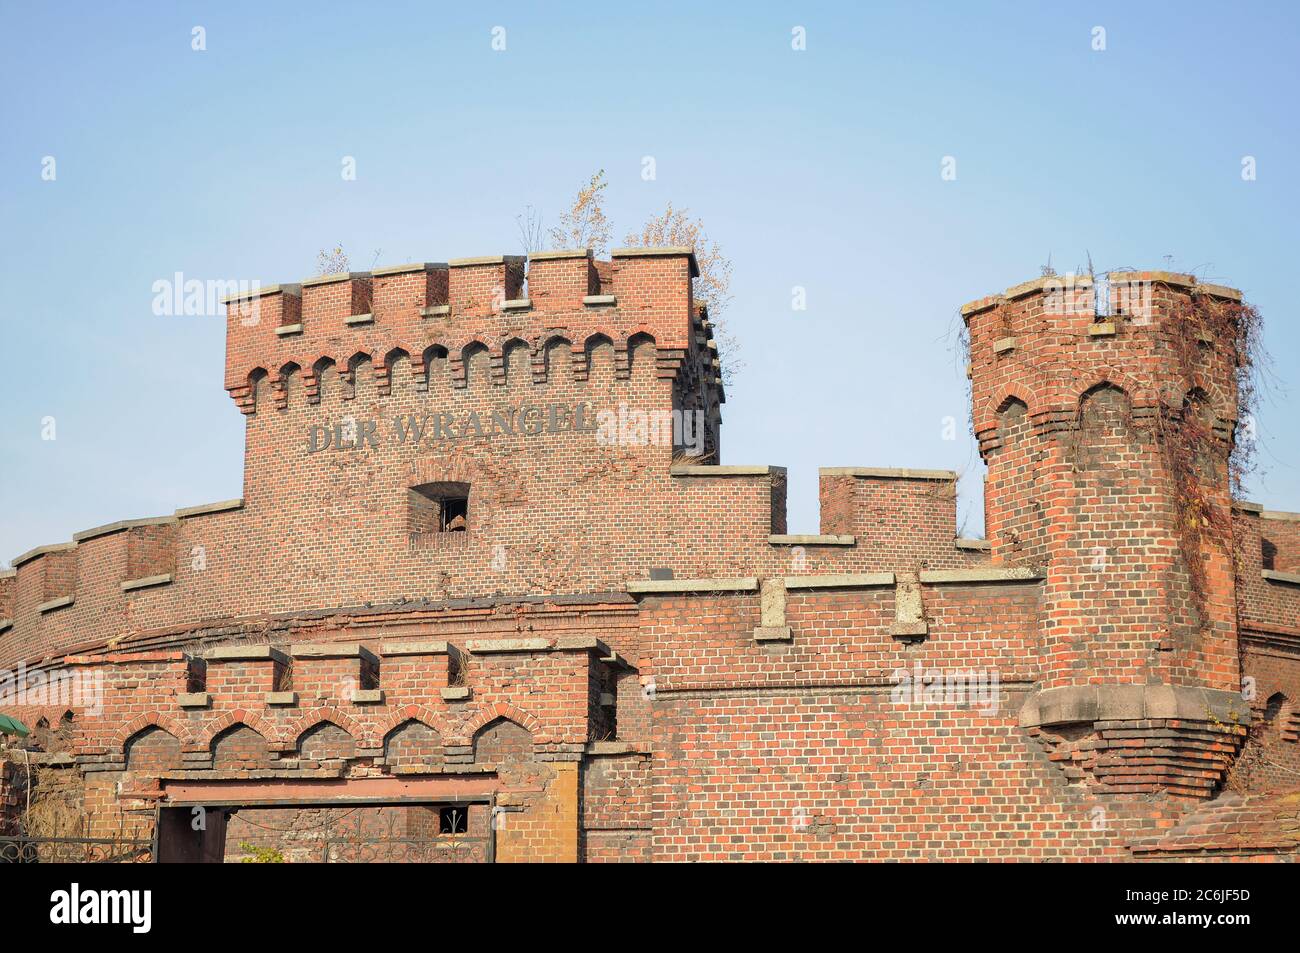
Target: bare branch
[584,224]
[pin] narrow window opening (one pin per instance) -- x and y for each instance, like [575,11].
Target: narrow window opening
[441,507]
[455,511]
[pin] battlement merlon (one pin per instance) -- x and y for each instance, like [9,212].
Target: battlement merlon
[413,312]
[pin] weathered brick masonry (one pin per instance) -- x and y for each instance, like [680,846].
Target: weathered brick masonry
[482,599]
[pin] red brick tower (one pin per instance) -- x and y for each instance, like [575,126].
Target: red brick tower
[1107,432]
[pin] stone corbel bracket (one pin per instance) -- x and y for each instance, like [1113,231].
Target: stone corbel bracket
[772,626]
[1140,739]
[910,624]
[909,609]
[1077,704]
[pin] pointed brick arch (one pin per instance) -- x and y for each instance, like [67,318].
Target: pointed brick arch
[1138,393]
[312,717]
[544,363]
[491,712]
[997,403]
[151,756]
[207,735]
[627,359]
[153,719]
[1220,406]
[413,739]
[395,719]
[511,348]
[587,364]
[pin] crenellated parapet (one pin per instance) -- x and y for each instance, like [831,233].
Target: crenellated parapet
[219,706]
[62,596]
[1048,342]
[433,320]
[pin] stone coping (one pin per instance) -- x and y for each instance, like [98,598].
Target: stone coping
[413,266]
[858,580]
[560,253]
[107,528]
[1246,506]
[652,586]
[653,252]
[1290,578]
[60,603]
[1279,515]
[1163,277]
[1219,291]
[1045,282]
[262,292]
[206,508]
[982,574]
[695,470]
[146,582]
[1086,281]
[41,551]
[889,473]
[334,277]
[981,304]
[414,647]
[331,650]
[1090,703]
[580,643]
[6,625]
[245,653]
[490,646]
[606,748]
[797,539]
[485,260]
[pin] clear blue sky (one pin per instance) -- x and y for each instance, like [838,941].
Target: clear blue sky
[818,169]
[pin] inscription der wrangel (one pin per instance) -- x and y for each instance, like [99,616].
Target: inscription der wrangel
[626,426]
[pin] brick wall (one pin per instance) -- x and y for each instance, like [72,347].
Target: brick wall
[617,823]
